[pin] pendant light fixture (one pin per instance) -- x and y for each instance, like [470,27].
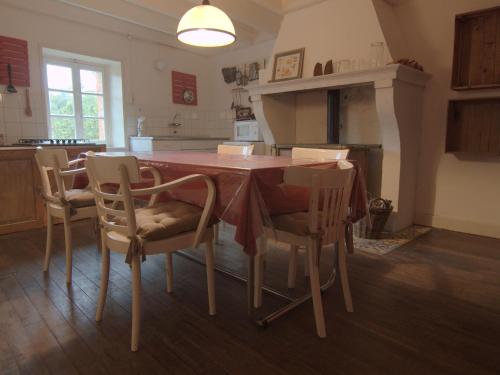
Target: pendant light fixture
[206,26]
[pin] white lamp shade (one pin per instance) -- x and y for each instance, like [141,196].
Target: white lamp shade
[206,26]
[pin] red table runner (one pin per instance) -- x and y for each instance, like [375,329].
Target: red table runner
[249,188]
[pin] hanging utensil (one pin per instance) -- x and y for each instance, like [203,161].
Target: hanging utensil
[10,87]
[232,104]
[27,111]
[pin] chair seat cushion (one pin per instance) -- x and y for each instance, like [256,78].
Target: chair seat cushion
[78,198]
[165,220]
[296,223]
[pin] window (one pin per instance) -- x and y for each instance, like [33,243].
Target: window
[75,100]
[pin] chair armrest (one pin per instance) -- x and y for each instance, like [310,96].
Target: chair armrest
[72,172]
[76,161]
[209,202]
[157,181]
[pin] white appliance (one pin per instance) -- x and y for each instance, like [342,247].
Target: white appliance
[247,131]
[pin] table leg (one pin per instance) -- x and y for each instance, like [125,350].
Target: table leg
[250,285]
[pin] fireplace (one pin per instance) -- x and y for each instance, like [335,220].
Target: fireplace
[389,98]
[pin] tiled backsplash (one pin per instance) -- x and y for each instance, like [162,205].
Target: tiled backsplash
[194,123]
[14,123]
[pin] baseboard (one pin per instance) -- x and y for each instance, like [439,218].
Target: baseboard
[459,225]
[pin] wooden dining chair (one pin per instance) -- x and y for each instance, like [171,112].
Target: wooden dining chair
[322,225]
[62,202]
[244,150]
[154,229]
[319,153]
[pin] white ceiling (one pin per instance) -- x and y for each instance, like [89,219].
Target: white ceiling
[255,20]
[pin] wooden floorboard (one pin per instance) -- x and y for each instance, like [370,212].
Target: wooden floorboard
[429,307]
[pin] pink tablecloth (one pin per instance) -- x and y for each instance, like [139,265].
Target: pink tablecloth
[249,188]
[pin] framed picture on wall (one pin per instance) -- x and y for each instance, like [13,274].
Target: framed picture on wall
[288,65]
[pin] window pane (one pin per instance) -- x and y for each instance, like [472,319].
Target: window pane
[63,127]
[93,129]
[61,103]
[91,81]
[92,105]
[59,77]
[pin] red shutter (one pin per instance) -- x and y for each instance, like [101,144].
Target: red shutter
[14,52]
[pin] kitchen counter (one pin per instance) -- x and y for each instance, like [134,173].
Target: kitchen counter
[288,146]
[175,143]
[72,147]
[178,138]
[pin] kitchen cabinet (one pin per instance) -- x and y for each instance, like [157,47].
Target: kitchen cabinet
[148,144]
[21,205]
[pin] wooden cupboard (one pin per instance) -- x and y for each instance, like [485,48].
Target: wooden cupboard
[476,61]
[474,126]
[21,205]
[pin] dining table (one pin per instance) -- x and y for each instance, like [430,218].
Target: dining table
[249,190]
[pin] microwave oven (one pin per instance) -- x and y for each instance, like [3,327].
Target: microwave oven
[247,131]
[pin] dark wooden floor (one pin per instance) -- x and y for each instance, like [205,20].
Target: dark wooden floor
[430,307]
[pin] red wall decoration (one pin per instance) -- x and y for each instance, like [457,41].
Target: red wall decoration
[184,88]
[14,52]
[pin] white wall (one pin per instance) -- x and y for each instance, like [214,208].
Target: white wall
[331,30]
[147,91]
[462,195]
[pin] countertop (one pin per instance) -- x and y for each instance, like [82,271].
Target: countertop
[17,148]
[327,145]
[178,138]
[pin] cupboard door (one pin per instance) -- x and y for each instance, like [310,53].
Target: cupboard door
[21,205]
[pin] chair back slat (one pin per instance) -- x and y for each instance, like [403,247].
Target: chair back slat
[107,170]
[56,158]
[109,196]
[52,161]
[329,197]
[122,170]
[319,153]
[245,150]
[114,212]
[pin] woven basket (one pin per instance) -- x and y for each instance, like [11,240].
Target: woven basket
[380,210]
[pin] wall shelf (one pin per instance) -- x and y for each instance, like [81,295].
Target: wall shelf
[474,126]
[476,59]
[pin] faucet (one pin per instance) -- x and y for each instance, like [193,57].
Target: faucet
[173,123]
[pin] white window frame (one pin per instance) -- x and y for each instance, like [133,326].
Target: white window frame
[76,66]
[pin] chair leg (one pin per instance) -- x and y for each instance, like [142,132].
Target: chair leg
[98,234]
[48,248]
[259,271]
[312,254]
[104,277]
[67,243]
[306,265]
[136,302]
[170,272]
[216,233]
[344,278]
[292,266]
[209,260]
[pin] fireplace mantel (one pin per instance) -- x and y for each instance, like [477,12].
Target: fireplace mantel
[399,94]
[341,80]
